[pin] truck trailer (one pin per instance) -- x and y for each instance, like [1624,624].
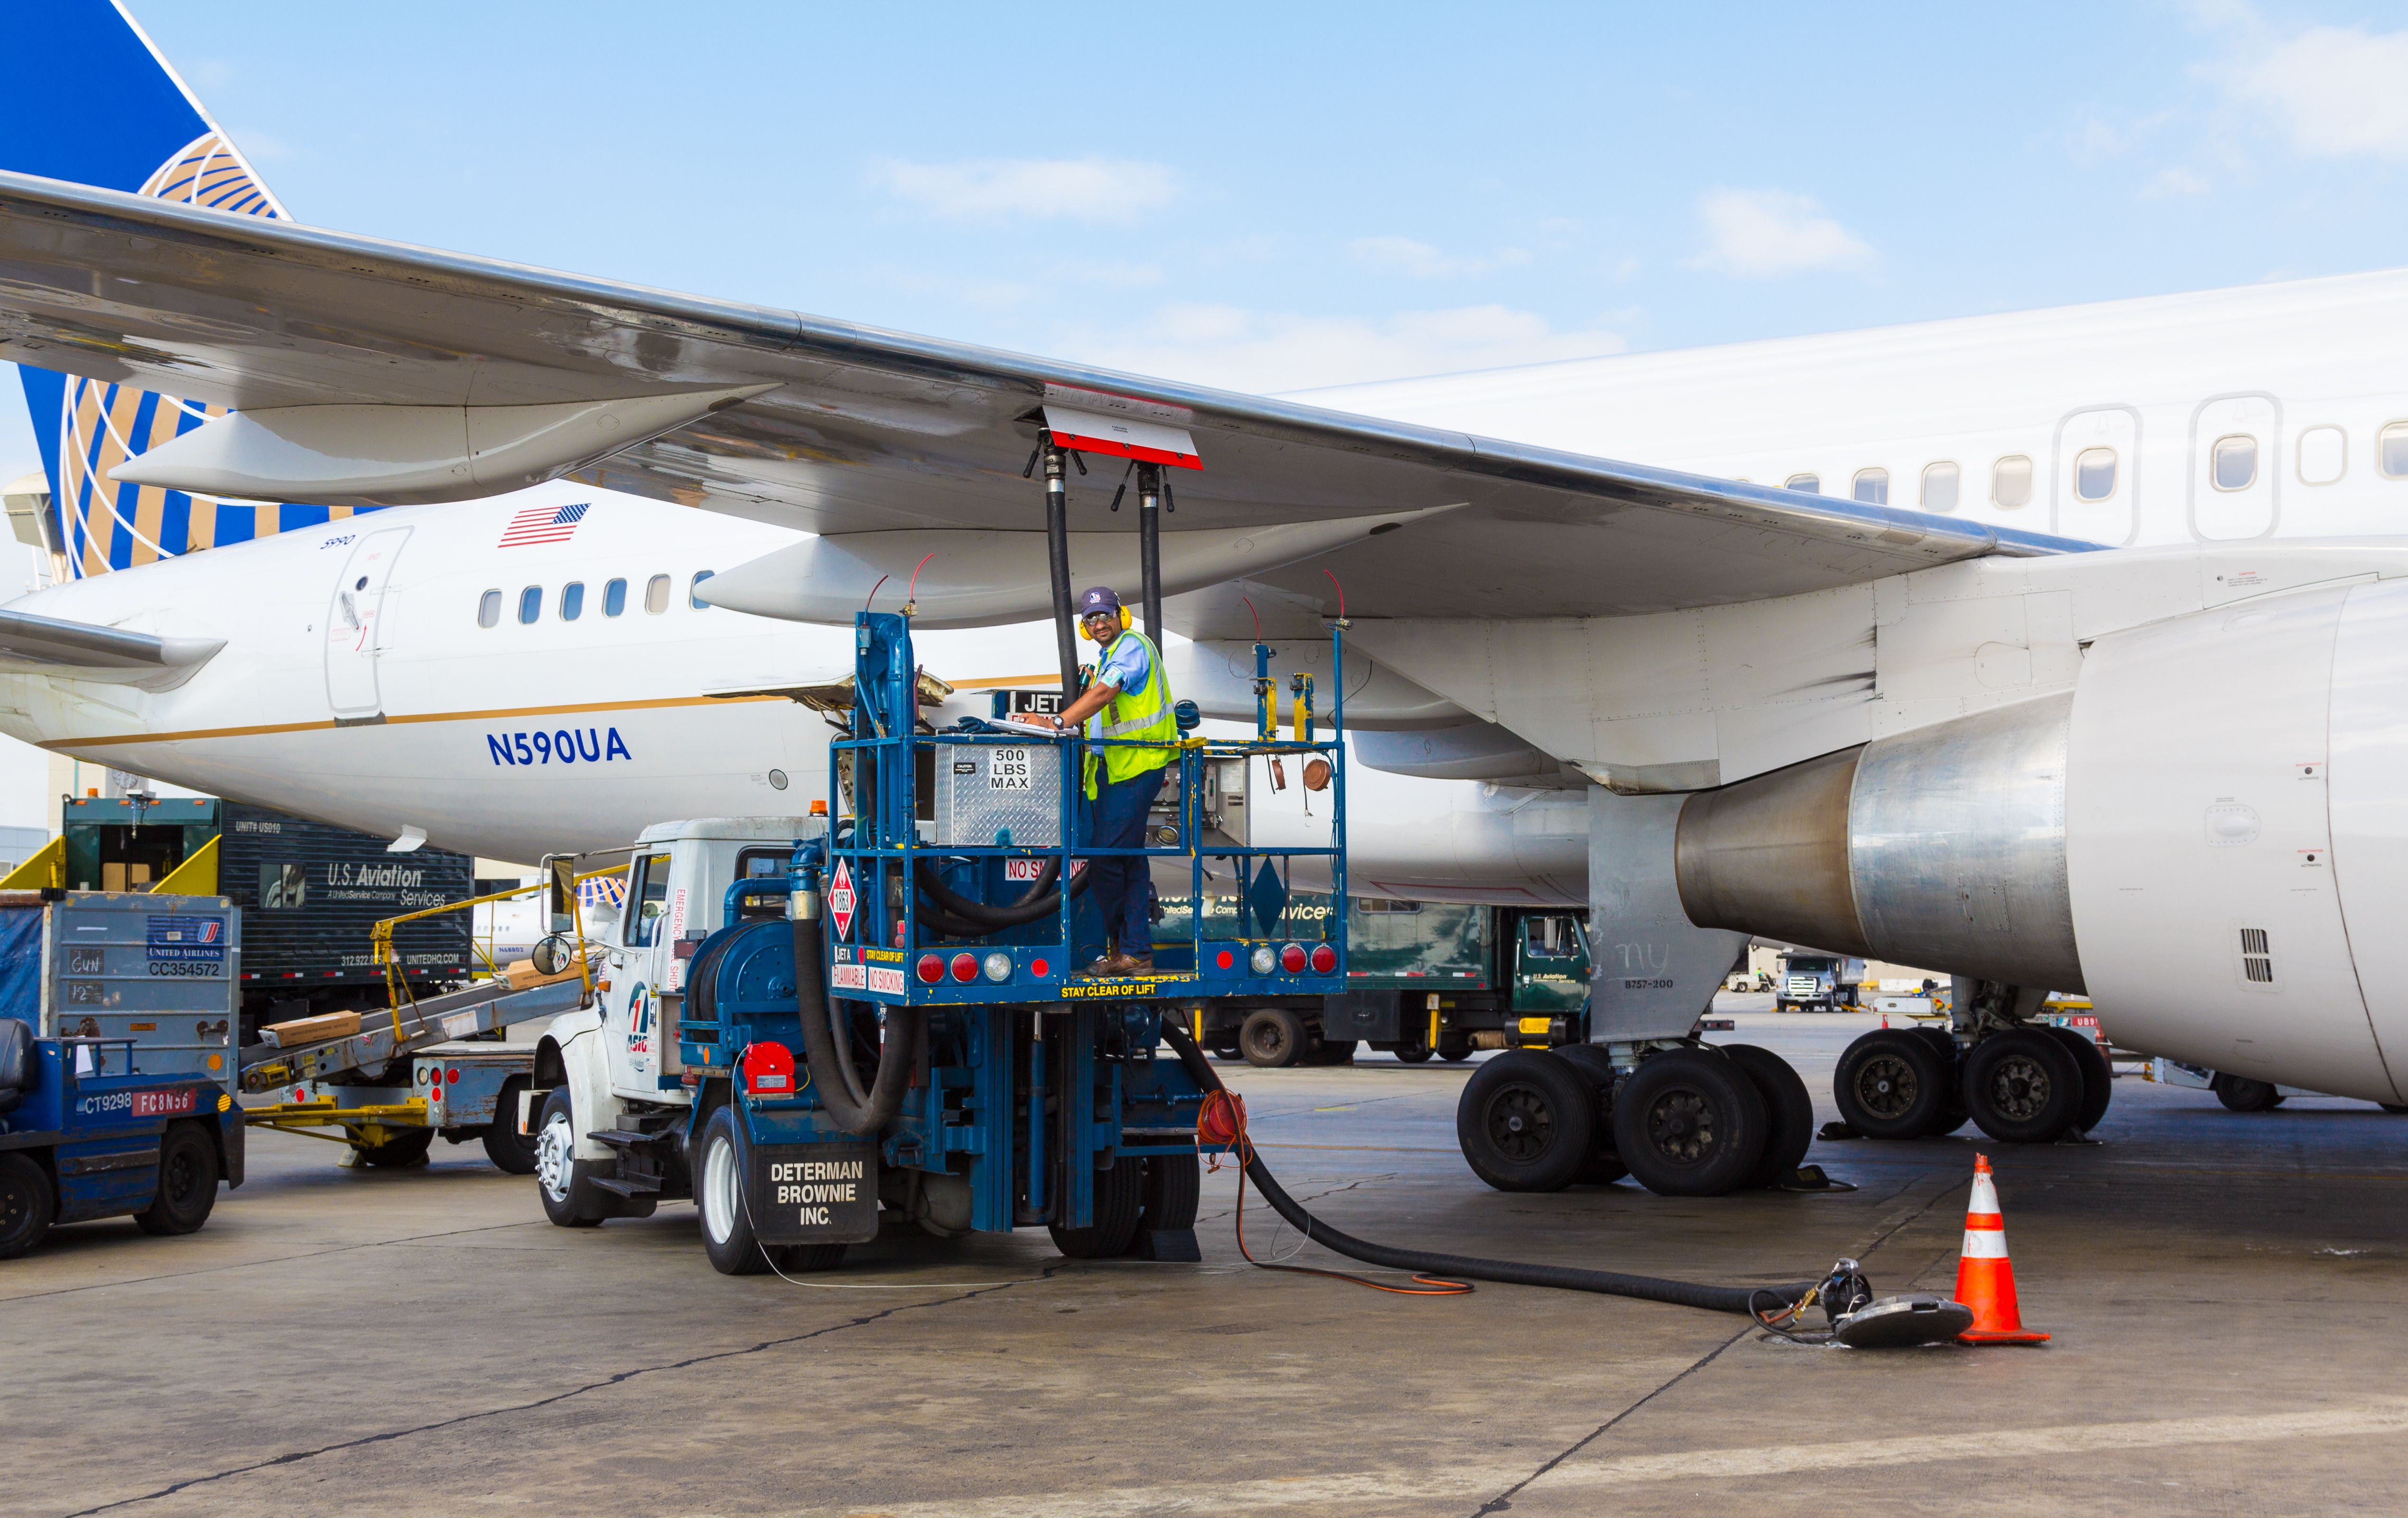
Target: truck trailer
[1424,979]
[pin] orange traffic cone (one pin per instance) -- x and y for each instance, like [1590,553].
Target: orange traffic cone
[1985,1280]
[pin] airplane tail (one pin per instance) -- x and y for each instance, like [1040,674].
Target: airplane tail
[93,101]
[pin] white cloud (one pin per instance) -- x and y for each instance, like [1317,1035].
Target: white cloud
[2335,90]
[1420,261]
[1267,352]
[1756,233]
[1114,276]
[1082,189]
[2170,182]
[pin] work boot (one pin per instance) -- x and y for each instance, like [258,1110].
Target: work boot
[1131,965]
[1101,968]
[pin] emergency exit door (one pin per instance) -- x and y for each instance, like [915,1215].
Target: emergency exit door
[355,625]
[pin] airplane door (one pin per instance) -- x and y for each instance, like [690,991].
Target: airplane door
[2097,478]
[2235,478]
[354,625]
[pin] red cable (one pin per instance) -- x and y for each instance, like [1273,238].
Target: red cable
[1222,1122]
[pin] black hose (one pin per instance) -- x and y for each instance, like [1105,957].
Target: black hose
[1041,900]
[904,1028]
[1512,1273]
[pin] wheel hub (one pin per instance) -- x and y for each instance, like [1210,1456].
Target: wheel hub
[2019,1089]
[1520,1123]
[1681,1125]
[555,1151]
[1885,1086]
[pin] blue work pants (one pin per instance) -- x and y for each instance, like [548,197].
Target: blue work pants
[1121,887]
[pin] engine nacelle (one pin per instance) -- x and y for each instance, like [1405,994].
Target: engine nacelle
[2199,834]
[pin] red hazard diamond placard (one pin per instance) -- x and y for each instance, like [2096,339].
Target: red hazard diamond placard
[839,901]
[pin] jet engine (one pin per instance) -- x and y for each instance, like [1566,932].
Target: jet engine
[2198,835]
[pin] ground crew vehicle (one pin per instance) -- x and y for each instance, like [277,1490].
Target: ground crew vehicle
[310,894]
[920,950]
[1812,981]
[116,1038]
[1423,978]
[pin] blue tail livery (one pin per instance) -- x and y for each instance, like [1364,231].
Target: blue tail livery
[99,105]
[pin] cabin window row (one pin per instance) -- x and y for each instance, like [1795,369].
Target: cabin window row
[2323,457]
[571,604]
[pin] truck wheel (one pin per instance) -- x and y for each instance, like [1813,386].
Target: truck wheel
[187,1182]
[1689,1123]
[1120,1194]
[400,1151]
[568,1197]
[1413,1055]
[727,1234]
[2242,1094]
[2097,1077]
[1788,1106]
[26,1204]
[802,1259]
[511,1151]
[1892,1085]
[1174,1187]
[1603,1167]
[1333,1052]
[1527,1121]
[2023,1087]
[1454,1054]
[1270,1037]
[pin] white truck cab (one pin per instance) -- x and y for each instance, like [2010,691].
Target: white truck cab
[623,1050]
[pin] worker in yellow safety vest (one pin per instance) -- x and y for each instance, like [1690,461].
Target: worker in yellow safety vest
[1129,700]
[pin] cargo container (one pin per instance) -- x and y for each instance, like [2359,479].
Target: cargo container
[310,895]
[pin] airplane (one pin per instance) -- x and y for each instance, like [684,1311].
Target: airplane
[2105,708]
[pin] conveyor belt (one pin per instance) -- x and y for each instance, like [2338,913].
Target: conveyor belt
[457,1014]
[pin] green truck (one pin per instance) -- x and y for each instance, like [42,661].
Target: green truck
[1424,977]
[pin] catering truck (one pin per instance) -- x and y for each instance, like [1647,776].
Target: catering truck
[310,894]
[1423,978]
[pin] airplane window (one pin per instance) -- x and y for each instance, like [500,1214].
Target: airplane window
[2391,448]
[2011,482]
[531,603]
[1811,484]
[656,595]
[614,598]
[2094,473]
[488,610]
[693,592]
[2324,454]
[1939,483]
[1872,486]
[572,600]
[2235,461]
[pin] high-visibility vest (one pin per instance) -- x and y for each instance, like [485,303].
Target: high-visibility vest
[1141,717]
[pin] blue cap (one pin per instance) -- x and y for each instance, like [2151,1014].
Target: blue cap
[1099,598]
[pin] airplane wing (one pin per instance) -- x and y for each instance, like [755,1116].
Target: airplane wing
[369,372]
[110,655]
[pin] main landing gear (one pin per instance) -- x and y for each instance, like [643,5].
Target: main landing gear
[2019,1083]
[1691,1120]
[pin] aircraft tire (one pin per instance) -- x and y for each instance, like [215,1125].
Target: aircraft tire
[2023,1087]
[1892,1084]
[1689,1123]
[1788,1105]
[2241,1094]
[1953,1116]
[1603,1167]
[2097,1077]
[1527,1121]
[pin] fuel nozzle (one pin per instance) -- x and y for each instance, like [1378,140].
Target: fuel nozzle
[1844,1291]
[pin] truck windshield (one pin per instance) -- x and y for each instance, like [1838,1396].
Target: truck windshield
[647,895]
[1554,937]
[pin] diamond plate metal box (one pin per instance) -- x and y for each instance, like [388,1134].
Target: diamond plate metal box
[983,789]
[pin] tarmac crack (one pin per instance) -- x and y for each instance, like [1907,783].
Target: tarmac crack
[1503,1500]
[616,1379]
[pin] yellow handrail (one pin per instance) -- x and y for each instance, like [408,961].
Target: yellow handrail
[398,992]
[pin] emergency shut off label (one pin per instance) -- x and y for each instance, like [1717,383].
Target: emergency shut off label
[815,1194]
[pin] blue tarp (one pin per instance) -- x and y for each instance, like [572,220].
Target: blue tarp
[21,965]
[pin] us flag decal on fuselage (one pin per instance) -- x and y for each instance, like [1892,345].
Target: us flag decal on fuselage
[544,525]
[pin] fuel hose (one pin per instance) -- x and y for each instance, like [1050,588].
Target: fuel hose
[1461,1267]
[826,1057]
[1041,900]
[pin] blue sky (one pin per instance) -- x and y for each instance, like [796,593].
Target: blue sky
[1273,197]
